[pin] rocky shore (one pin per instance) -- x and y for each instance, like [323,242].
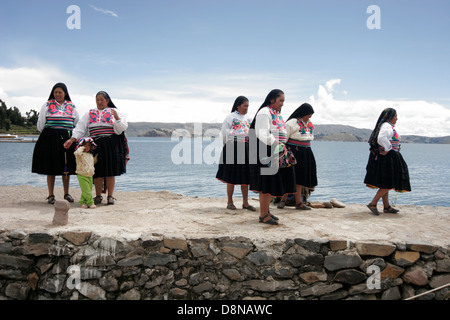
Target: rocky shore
[158,245]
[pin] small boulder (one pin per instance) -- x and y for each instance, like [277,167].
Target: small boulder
[61,216]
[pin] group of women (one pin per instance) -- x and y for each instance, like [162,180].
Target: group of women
[265,154]
[268,142]
[61,126]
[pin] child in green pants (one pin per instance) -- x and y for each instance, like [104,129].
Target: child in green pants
[85,170]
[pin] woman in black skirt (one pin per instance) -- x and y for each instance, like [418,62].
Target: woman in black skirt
[106,127]
[386,168]
[300,134]
[57,119]
[234,167]
[267,142]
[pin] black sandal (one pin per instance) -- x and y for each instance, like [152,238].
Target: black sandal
[281,204]
[302,206]
[271,221]
[249,207]
[373,209]
[98,200]
[390,210]
[68,197]
[111,200]
[273,216]
[51,199]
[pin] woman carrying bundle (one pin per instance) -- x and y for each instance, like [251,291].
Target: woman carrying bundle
[273,174]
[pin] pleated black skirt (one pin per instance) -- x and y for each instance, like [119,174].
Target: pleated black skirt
[387,172]
[305,169]
[234,165]
[111,155]
[277,184]
[49,155]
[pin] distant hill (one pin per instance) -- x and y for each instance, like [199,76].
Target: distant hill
[337,132]
[161,129]
[323,132]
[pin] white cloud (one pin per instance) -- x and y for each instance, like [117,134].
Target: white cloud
[211,100]
[173,110]
[104,11]
[331,83]
[416,117]
[29,80]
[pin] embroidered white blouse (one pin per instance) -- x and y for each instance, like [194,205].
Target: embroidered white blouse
[299,133]
[386,135]
[99,118]
[235,125]
[270,126]
[66,109]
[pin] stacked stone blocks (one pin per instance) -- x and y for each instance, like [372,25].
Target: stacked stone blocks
[82,265]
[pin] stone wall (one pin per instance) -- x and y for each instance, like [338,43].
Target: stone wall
[81,265]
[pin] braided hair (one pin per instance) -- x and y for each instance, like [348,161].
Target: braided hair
[385,116]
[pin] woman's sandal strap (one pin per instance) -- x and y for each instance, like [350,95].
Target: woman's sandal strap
[110,200]
[373,209]
[390,210]
[270,221]
[51,199]
[68,197]
[98,200]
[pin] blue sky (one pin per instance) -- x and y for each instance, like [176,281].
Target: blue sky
[185,61]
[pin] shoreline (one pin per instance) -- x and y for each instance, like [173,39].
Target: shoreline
[444,140]
[145,214]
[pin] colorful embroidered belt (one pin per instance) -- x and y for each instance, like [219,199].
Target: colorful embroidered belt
[97,132]
[299,143]
[239,138]
[394,144]
[59,122]
[282,137]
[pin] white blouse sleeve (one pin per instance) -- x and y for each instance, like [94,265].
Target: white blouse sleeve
[42,118]
[226,126]
[76,117]
[81,130]
[262,128]
[120,125]
[290,127]
[385,135]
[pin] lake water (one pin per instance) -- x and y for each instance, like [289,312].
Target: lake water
[340,169]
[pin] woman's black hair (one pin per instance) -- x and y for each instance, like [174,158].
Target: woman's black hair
[386,115]
[239,101]
[64,88]
[271,97]
[304,110]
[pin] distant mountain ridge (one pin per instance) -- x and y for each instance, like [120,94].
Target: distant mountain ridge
[322,132]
